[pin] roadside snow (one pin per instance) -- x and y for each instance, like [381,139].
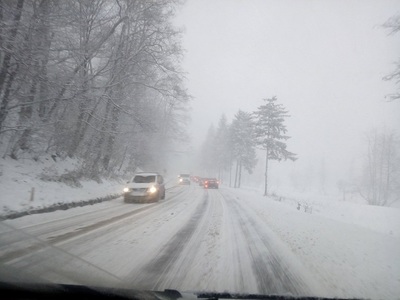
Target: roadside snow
[353,249]
[21,186]
[28,184]
[356,212]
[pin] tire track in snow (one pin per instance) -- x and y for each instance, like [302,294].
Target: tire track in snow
[273,273]
[239,264]
[199,262]
[51,259]
[15,243]
[153,274]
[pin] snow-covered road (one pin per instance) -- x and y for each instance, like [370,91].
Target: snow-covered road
[194,240]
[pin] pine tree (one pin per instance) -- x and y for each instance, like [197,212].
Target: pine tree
[208,157]
[270,133]
[242,143]
[222,147]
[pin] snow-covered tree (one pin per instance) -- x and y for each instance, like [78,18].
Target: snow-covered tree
[96,80]
[222,147]
[381,181]
[393,24]
[208,157]
[242,143]
[270,133]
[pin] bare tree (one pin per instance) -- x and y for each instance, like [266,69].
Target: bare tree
[89,78]
[393,24]
[381,181]
[9,63]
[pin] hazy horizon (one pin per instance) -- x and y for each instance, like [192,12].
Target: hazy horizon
[324,60]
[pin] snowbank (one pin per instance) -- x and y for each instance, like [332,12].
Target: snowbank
[380,219]
[27,185]
[353,249]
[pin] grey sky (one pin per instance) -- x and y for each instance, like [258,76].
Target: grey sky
[324,60]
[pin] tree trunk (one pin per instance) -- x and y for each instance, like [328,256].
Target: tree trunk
[13,34]
[6,65]
[111,138]
[236,174]
[389,166]
[25,116]
[230,170]
[240,173]
[266,174]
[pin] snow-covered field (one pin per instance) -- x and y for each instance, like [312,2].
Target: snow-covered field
[221,240]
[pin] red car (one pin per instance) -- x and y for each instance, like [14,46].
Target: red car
[210,183]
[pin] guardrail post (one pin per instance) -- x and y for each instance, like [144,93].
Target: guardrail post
[32,194]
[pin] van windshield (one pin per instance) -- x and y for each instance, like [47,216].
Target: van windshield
[144,179]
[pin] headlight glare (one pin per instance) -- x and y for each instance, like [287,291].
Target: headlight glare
[152,189]
[126,190]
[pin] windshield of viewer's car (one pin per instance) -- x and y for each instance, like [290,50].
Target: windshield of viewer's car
[283,115]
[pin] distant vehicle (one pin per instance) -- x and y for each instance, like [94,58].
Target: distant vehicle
[210,183]
[184,179]
[194,178]
[145,187]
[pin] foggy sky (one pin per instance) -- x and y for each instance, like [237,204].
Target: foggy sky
[324,60]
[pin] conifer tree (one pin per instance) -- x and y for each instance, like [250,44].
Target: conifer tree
[270,133]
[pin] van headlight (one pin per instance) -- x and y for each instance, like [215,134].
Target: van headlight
[126,190]
[152,189]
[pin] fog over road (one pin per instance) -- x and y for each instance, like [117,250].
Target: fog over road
[194,240]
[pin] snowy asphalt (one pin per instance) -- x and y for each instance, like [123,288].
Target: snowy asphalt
[194,240]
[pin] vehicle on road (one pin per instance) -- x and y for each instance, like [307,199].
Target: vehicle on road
[210,183]
[184,179]
[195,178]
[145,187]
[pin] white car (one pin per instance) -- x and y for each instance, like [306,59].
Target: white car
[184,179]
[145,187]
